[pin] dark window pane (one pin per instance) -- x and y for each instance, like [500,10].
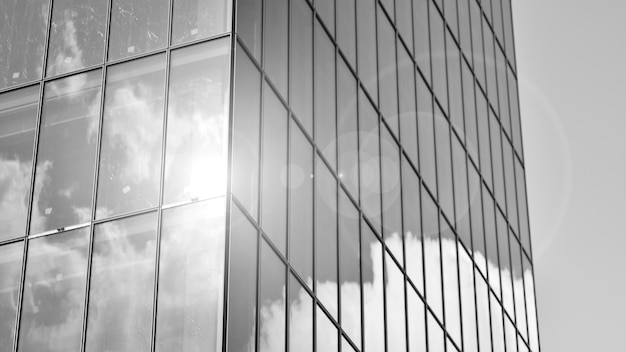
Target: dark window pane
[195,19]
[369,160]
[121,291]
[249,25]
[54,292]
[275,41]
[347,128]
[387,72]
[130,155]
[325,97]
[246,130]
[274,187]
[197,122]
[18,116]
[76,35]
[10,274]
[272,293]
[301,63]
[373,286]
[300,318]
[326,237]
[66,152]
[349,269]
[22,59]
[137,26]
[242,283]
[366,45]
[301,204]
[191,277]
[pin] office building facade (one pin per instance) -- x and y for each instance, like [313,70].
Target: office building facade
[262,175]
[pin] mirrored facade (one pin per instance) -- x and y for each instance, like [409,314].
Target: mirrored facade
[276,175]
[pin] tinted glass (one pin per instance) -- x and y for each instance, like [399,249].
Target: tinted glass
[10,273]
[54,293]
[195,19]
[137,26]
[121,291]
[249,25]
[191,277]
[18,116]
[66,153]
[22,59]
[130,154]
[197,127]
[76,35]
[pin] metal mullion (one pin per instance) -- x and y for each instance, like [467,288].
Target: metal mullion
[124,215]
[288,182]
[44,62]
[28,218]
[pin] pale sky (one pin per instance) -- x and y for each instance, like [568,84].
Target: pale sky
[571,57]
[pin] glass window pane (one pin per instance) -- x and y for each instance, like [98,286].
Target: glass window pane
[137,26]
[325,96]
[468,303]
[444,165]
[197,122]
[395,307]
[121,291]
[426,135]
[387,72]
[469,109]
[408,107]
[191,277]
[300,317]
[477,42]
[438,58]
[347,128]
[421,37]
[432,255]
[369,160]
[476,215]
[66,152]
[195,19]
[22,60]
[518,287]
[275,41]
[246,130]
[10,274]
[242,286]
[326,10]
[349,269]
[274,177]
[436,336]
[392,199]
[272,293]
[130,155]
[484,137]
[416,320]
[497,328]
[76,35]
[18,116]
[301,63]
[366,46]
[491,241]
[496,159]
[326,339]
[453,57]
[482,314]
[373,286]
[461,199]
[301,204]
[346,29]
[249,25]
[326,237]
[449,247]
[531,312]
[54,292]
[412,225]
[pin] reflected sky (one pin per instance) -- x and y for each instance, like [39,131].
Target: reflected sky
[10,272]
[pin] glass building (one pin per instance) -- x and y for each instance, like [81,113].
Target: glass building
[262,175]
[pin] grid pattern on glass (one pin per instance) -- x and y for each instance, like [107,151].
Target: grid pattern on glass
[436,178]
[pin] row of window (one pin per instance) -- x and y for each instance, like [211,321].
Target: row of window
[120,135]
[68,35]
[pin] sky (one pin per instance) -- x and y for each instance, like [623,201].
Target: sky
[571,57]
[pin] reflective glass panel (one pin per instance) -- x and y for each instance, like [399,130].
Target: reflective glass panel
[438,58]
[366,45]
[416,320]
[195,19]
[242,285]
[23,27]
[10,273]
[66,153]
[387,72]
[130,154]
[121,291]
[436,336]
[191,277]
[412,225]
[369,160]
[197,122]
[347,128]
[421,37]
[395,307]
[497,328]
[301,63]
[54,292]
[326,338]
[326,10]
[449,247]
[275,41]
[373,287]
[76,35]
[272,300]
[468,303]
[249,14]
[392,199]
[461,199]
[274,174]
[137,26]
[408,107]
[326,237]
[426,135]
[246,130]
[300,317]
[18,116]
[346,29]
[445,190]
[301,204]
[325,96]
[482,314]
[432,255]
